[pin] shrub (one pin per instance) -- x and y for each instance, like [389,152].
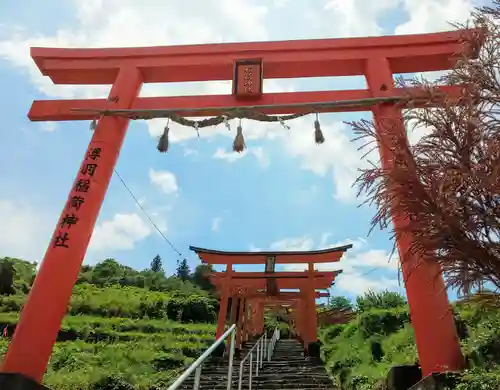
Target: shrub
[382,322]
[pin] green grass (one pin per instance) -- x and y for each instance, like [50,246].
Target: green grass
[142,353]
[359,355]
[131,302]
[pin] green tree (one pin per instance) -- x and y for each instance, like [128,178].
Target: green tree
[379,300]
[111,272]
[183,272]
[7,275]
[201,277]
[156,264]
[339,303]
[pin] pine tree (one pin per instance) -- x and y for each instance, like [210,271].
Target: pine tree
[156,264]
[183,271]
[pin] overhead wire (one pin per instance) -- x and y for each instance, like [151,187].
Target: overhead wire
[148,216]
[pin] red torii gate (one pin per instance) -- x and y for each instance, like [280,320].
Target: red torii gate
[251,322]
[126,69]
[269,285]
[252,290]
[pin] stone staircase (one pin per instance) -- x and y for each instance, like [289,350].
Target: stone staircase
[288,369]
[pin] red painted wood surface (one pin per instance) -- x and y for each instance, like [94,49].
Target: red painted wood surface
[286,59]
[301,257]
[60,110]
[248,80]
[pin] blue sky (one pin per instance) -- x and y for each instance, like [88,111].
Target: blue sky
[284,193]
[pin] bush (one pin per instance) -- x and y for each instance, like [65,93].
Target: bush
[168,361]
[382,321]
[482,348]
[112,382]
[479,379]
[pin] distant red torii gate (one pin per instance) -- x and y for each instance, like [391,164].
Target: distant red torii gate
[126,69]
[253,289]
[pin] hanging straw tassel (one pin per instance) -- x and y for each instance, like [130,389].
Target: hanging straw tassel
[93,124]
[318,134]
[226,122]
[239,140]
[163,141]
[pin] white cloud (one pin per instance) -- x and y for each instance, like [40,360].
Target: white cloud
[358,284]
[228,156]
[433,15]
[359,264]
[363,18]
[122,232]
[149,23]
[164,180]
[253,248]
[216,222]
[48,126]
[357,17]
[25,231]
[303,243]
[280,3]
[231,156]
[338,156]
[190,152]
[261,156]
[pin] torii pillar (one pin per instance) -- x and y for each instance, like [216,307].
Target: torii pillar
[224,298]
[31,346]
[241,323]
[431,315]
[310,334]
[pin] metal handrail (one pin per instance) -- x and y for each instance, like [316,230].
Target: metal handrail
[272,343]
[262,352]
[198,364]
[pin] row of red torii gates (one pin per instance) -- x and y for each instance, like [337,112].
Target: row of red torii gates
[247,64]
[252,292]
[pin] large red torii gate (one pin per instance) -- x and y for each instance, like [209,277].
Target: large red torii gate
[126,69]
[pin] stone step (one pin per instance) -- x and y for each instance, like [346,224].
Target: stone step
[263,377]
[260,384]
[289,386]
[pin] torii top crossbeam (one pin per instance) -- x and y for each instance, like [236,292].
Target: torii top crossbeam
[318,58]
[329,255]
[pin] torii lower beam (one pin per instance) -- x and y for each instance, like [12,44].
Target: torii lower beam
[283,296]
[283,284]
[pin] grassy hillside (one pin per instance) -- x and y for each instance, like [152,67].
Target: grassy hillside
[139,354]
[359,354]
[125,329]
